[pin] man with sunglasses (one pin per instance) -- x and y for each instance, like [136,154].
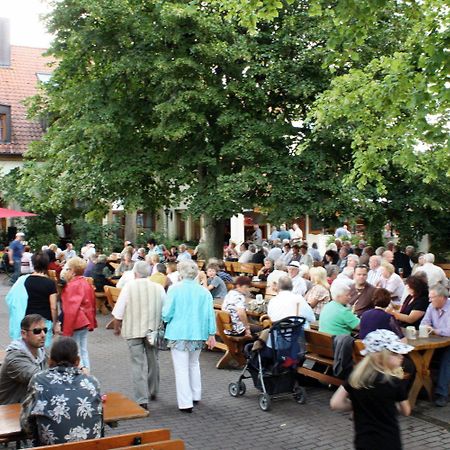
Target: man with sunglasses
[24,357]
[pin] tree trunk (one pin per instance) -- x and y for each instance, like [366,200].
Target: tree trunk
[130,226]
[214,233]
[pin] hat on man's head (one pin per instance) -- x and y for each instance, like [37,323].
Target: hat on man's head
[378,340]
[295,264]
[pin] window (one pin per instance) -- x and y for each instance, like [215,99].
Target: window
[43,77]
[5,124]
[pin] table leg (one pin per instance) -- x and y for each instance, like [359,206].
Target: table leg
[423,377]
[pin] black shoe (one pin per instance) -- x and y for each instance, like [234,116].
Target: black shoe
[144,405]
[186,410]
[153,397]
[196,402]
[440,400]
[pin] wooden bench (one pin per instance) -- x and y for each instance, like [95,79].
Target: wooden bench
[151,439]
[229,267]
[233,345]
[446,268]
[319,349]
[112,294]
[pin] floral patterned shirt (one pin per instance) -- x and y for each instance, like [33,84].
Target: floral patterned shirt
[62,405]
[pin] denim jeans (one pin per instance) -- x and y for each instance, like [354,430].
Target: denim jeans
[80,337]
[17,270]
[444,374]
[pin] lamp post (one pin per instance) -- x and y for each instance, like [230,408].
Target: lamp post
[167,213]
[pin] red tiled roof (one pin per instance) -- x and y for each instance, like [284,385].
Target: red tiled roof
[18,82]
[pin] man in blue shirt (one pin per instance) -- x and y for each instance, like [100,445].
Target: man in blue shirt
[15,255]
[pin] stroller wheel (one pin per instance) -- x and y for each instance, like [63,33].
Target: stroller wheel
[242,388]
[233,389]
[264,402]
[300,395]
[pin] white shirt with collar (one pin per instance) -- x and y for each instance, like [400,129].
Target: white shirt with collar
[286,304]
[299,285]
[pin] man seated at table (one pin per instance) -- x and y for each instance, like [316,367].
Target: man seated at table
[361,293]
[335,317]
[24,357]
[438,318]
[298,282]
[286,303]
[62,403]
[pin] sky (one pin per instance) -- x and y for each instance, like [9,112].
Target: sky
[26,28]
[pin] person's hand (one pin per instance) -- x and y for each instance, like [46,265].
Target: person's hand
[211,342]
[57,328]
[11,263]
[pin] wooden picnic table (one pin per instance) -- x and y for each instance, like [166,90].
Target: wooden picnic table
[117,407]
[421,357]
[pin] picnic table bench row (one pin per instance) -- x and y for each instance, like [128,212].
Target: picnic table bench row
[151,439]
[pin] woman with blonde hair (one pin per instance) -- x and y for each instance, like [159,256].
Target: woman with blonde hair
[319,295]
[391,281]
[375,392]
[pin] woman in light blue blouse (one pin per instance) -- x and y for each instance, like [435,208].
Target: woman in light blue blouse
[189,313]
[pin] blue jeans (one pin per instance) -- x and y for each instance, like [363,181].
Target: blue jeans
[444,374]
[17,270]
[80,337]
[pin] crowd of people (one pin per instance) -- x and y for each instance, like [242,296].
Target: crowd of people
[347,290]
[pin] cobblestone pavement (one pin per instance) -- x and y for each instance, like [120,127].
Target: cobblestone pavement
[223,422]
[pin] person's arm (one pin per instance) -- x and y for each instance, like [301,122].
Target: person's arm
[243,316]
[340,400]
[10,256]
[404,408]
[28,421]
[21,369]
[54,311]
[412,317]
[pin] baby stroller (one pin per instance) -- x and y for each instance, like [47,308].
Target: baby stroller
[273,367]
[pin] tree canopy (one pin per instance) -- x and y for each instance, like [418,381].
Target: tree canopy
[327,108]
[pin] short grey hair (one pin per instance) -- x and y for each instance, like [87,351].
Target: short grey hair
[440,290]
[304,269]
[161,268]
[376,258]
[102,259]
[332,269]
[429,258]
[140,269]
[353,256]
[284,284]
[339,288]
[252,248]
[280,265]
[187,270]
[379,251]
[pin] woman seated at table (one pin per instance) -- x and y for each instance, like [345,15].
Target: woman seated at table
[378,318]
[319,295]
[265,270]
[62,404]
[101,272]
[415,305]
[391,281]
[234,304]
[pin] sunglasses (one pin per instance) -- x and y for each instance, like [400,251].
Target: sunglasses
[38,331]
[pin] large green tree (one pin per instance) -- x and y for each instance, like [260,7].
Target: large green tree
[154,102]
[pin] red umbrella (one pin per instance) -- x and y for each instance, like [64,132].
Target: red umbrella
[4,212]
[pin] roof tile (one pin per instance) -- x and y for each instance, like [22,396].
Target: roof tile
[17,83]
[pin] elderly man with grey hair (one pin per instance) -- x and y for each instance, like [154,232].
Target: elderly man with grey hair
[336,318]
[435,274]
[286,303]
[374,275]
[437,319]
[137,311]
